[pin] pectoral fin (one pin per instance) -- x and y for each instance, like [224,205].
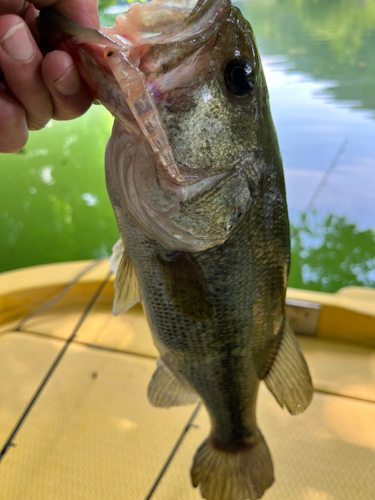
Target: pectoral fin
[186,287]
[288,378]
[117,252]
[127,291]
[165,390]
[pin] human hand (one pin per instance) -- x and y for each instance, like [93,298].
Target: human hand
[34,88]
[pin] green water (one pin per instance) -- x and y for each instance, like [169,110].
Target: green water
[319,61]
[54,204]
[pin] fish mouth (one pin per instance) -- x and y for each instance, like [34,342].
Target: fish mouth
[191,19]
[135,53]
[199,22]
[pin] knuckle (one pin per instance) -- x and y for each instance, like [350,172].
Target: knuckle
[38,116]
[34,125]
[69,109]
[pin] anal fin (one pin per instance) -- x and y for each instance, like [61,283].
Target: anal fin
[127,291]
[165,390]
[288,378]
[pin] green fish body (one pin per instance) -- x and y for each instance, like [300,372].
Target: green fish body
[195,177]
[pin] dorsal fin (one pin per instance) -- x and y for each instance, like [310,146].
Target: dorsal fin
[127,291]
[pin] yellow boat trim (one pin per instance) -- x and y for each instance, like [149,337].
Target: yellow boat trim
[347,315]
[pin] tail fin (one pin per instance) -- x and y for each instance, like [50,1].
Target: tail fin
[224,475]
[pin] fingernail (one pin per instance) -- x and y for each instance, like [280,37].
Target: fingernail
[68,84]
[17,44]
[25,5]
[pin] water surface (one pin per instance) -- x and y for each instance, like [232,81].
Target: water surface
[319,61]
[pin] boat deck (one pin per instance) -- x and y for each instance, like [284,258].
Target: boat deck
[75,422]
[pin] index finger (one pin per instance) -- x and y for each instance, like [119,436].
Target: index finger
[83,12]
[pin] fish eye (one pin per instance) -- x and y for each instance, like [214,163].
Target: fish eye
[239,77]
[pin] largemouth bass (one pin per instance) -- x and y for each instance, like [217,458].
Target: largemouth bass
[195,177]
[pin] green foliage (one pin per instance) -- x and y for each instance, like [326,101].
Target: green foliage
[330,253]
[343,24]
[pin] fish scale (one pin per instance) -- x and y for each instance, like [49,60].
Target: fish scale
[205,236]
[187,345]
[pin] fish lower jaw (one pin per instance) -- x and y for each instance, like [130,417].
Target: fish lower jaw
[186,185]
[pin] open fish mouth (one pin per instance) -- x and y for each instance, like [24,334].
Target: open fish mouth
[148,40]
[130,69]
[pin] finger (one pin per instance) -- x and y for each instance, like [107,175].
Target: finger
[13,126]
[20,61]
[83,12]
[12,6]
[69,94]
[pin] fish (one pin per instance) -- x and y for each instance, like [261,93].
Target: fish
[195,178]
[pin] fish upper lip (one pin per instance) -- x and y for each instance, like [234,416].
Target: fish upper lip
[221,8]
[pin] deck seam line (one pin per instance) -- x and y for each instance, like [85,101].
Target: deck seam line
[154,358]
[48,336]
[173,452]
[9,443]
[58,297]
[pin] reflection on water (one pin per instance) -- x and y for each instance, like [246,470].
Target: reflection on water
[330,40]
[319,60]
[311,130]
[329,253]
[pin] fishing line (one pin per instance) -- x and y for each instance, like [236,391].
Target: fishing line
[326,175]
[323,182]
